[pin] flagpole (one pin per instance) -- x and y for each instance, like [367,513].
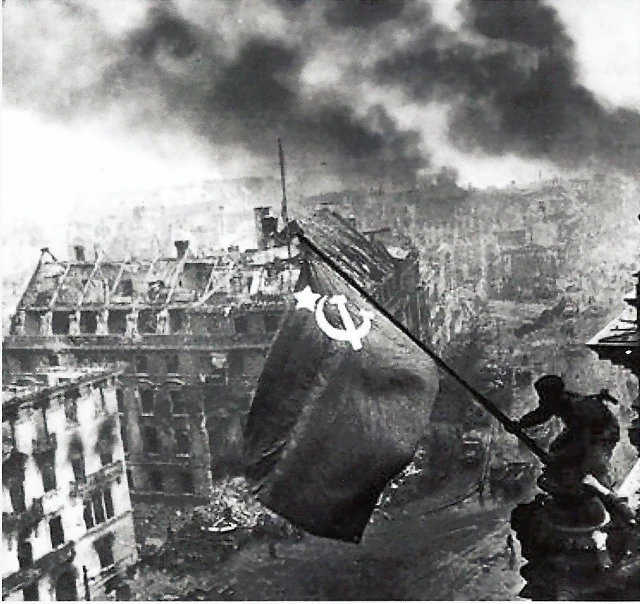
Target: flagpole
[507,422]
[284,209]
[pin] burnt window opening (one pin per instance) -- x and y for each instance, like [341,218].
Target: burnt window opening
[48,470]
[56,531]
[236,363]
[25,549]
[88,321]
[104,550]
[120,399]
[147,321]
[17,496]
[98,509]
[241,324]
[130,480]
[155,481]
[187,483]
[30,593]
[106,457]
[60,323]
[124,438]
[183,442]
[54,360]
[77,464]
[71,410]
[147,400]
[179,404]
[108,503]
[141,363]
[87,513]
[117,321]
[125,288]
[151,442]
[176,321]
[271,321]
[173,363]
[102,400]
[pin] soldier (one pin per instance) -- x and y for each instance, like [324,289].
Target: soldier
[591,430]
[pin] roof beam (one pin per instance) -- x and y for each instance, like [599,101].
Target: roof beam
[92,275]
[60,283]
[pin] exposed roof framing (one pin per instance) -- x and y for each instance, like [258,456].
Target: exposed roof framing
[60,283]
[92,275]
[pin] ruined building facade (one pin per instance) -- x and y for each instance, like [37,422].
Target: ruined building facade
[189,335]
[67,525]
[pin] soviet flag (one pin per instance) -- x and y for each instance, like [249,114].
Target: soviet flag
[339,408]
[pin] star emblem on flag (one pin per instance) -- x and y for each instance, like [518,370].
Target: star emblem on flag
[306,298]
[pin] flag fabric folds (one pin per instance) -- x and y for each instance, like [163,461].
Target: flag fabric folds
[341,403]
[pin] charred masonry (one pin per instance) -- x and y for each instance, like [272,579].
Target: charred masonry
[189,336]
[67,522]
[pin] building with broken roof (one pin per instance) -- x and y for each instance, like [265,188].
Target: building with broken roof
[67,522]
[190,334]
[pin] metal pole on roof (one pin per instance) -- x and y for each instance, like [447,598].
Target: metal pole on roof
[284,212]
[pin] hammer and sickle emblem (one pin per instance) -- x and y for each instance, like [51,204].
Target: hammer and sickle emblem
[350,333]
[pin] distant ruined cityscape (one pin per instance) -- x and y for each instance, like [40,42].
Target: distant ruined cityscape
[158,315]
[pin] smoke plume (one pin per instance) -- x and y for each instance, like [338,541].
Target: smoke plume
[328,76]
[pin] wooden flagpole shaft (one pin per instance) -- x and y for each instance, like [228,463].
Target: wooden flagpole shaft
[507,422]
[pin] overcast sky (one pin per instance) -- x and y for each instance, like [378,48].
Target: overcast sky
[45,164]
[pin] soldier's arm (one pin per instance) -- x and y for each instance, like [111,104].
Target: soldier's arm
[536,417]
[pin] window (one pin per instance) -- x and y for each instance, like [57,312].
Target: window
[16,494]
[126,287]
[141,364]
[186,481]
[54,360]
[77,464]
[236,362]
[271,321]
[120,399]
[183,444]
[241,324]
[105,552]
[178,403]
[31,593]
[108,502]
[60,323]
[71,410]
[56,531]
[106,457]
[147,321]
[130,480]
[117,321]
[87,513]
[98,509]
[151,441]
[123,436]
[175,321]
[103,400]
[155,480]
[48,470]
[88,321]
[173,363]
[25,551]
[147,400]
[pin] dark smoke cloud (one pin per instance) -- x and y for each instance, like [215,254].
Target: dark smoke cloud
[512,86]
[172,74]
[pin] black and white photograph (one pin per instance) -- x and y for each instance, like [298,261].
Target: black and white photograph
[320,300]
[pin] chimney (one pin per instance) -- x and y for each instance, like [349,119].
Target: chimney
[260,214]
[79,251]
[352,221]
[182,246]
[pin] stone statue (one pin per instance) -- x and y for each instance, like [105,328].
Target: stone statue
[591,431]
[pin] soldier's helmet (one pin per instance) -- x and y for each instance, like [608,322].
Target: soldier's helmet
[549,385]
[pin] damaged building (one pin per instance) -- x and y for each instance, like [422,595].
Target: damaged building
[67,522]
[189,335]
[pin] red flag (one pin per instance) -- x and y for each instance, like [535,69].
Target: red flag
[339,408]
